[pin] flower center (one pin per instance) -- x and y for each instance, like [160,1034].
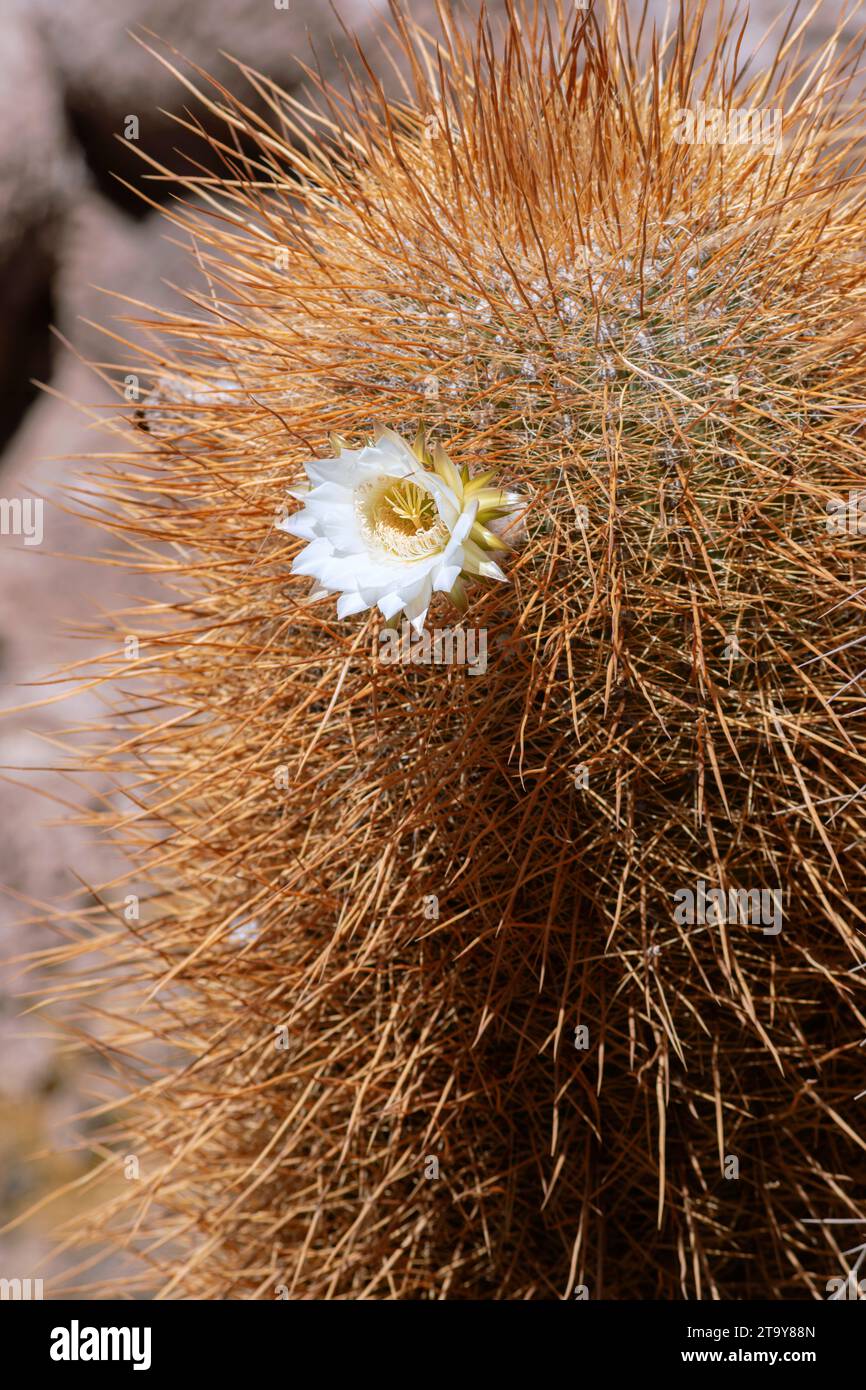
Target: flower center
[399,519]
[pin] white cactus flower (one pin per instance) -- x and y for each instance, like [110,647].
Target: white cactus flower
[392,524]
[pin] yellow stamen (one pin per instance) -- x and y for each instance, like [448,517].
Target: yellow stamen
[399,518]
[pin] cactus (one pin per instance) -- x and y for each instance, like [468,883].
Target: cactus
[540,982]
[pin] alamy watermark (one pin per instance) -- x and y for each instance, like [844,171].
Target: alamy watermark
[77,1343]
[21,1289]
[448,646]
[713,907]
[713,126]
[22,516]
[847,515]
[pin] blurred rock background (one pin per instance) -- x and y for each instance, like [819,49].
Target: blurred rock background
[71,229]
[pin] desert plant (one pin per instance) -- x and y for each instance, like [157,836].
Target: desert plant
[541,980]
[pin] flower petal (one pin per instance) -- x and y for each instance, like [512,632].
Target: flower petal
[364,572]
[348,604]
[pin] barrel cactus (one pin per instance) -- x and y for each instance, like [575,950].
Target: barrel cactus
[533,976]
